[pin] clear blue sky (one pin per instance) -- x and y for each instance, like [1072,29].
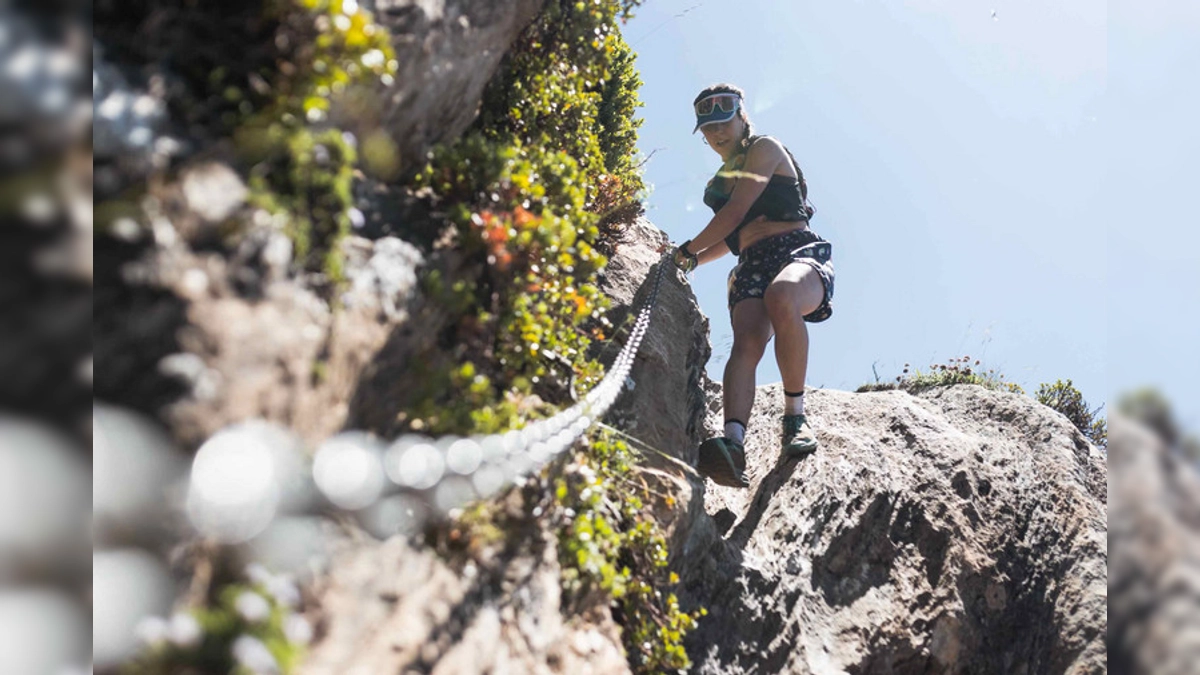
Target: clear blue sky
[1154,165]
[969,167]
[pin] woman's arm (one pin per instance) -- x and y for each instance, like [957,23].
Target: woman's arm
[763,157]
[712,253]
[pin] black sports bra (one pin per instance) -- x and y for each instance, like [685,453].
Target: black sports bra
[782,199]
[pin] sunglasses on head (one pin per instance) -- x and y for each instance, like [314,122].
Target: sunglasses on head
[724,102]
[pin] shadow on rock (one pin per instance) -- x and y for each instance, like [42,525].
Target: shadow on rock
[135,326]
[770,484]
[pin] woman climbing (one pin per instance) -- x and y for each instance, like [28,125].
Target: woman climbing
[783,278]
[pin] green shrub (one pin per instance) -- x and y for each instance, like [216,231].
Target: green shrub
[1151,408]
[527,190]
[220,624]
[955,371]
[615,116]
[1066,399]
[609,544]
[568,84]
[308,177]
[303,174]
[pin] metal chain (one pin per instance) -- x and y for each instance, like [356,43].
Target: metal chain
[454,470]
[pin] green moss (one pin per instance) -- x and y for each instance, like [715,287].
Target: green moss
[302,172]
[308,177]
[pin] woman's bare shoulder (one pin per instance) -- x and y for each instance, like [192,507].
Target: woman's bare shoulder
[766,144]
[768,149]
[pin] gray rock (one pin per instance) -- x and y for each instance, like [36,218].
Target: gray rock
[448,50]
[961,531]
[382,274]
[213,190]
[423,615]
[1155,565]
[667,412]
[126,120]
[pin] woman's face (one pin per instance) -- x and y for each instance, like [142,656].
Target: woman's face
[724,137]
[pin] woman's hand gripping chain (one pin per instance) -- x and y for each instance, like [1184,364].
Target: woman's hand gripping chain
[684,260]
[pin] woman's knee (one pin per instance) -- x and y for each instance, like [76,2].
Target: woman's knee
[783,302]
[793,298]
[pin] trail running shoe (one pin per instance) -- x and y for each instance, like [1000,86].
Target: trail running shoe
[798,438]
[724,461]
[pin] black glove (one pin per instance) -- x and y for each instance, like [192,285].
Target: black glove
[685,261]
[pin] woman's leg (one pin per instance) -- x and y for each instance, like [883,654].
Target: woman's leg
[723,458]
[795,292]
[751,333]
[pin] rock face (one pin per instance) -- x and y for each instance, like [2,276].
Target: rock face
[960,531]
[399,608]
[447,50]
[204,340]
[667,410]
[1155,570]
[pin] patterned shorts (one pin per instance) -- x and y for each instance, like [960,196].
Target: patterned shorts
[759,265]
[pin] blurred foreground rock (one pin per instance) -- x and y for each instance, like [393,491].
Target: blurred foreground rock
[1155,570]
[399,607]
[205,339]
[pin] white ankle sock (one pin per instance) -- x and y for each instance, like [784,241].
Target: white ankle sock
[735,431]
[793,404]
